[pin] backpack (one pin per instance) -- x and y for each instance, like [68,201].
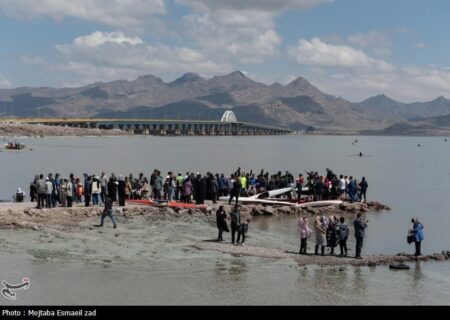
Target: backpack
[410,238]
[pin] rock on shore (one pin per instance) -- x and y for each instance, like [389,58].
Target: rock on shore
[327,260]
[25,216]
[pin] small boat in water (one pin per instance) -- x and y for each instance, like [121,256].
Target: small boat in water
[14,146]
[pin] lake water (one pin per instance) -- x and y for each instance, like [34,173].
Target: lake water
[412,180]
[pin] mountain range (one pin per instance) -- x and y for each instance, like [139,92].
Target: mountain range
[297,105]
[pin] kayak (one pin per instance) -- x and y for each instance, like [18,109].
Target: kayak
[271,193]
[170,204]
[277,192]
[319,203]
[285,203]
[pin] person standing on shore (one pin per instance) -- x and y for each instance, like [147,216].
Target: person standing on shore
[20,195]
[299,184]
[359,226]
[235,190]
[363,189]
[343,233]
[320,229]
[121,191]
[48,193]
[187,190]
[305,232]
[417,232]
[242,231]
[87,190]
[40,186]
[157,185]
[108,212]
[33,189]
[235,221]
[68,192]
[214,188]
[332,237]
[96,191]
[221,217]
[103,185]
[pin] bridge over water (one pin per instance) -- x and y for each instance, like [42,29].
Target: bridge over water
[227,126]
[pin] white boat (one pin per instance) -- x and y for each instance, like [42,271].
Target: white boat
[260,201]
[314,204]
[271,193]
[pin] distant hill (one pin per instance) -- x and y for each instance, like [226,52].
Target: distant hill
[296,105]
[433,126]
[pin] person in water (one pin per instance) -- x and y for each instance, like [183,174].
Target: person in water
[417,232]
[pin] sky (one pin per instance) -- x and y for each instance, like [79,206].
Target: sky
[349,48]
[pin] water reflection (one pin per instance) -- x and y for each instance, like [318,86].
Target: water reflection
[415,285]
[359,281]
[238,269]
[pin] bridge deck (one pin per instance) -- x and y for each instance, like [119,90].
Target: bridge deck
[161,126]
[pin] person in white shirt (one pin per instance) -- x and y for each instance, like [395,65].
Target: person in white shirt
[20,195]
[342,187]
[48,193]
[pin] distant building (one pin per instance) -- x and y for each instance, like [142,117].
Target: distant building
[228,116]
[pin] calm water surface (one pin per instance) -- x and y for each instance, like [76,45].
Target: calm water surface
[412,180]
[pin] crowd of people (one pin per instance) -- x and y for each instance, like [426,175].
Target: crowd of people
[95,190]
[52,190]
[14,145]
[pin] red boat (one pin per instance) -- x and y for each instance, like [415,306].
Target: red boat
[14,146]
[165,203]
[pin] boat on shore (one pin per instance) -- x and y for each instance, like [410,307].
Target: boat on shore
[284,202]
[165,203]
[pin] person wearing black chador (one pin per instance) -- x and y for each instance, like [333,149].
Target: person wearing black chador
[121,191]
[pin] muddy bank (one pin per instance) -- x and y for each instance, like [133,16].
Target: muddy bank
[327,260]
[31,130]
[144,234]
[26,216]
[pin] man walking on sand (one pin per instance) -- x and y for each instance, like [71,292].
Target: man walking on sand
[108,212]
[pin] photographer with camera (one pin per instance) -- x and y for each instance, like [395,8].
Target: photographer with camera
[416,235]
[359,226]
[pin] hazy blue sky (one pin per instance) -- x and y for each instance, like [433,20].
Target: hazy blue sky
[349,48]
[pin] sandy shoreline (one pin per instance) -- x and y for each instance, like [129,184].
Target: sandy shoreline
[26,216]
[310,259]
[146,233]
[32,130]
